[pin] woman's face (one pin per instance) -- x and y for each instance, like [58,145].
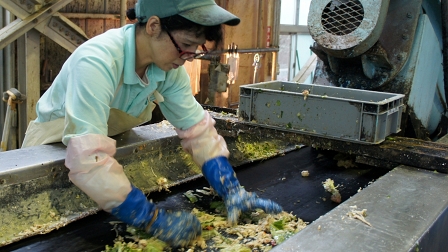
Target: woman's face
[179,43]
[164,51]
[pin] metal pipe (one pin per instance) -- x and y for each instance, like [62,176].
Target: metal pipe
[8,82]
[256,50]
[123,7]
[12,82]
[2,83]
[274,66]
[7,128]
[7,56]
[216,54]
[251,50]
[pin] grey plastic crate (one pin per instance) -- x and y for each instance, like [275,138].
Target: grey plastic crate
[332,112]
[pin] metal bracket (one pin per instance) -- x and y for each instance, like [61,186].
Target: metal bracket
[60,26]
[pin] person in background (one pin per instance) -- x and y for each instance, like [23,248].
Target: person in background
[111,83]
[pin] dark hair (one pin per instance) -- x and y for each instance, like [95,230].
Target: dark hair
[176,22]
[130,13]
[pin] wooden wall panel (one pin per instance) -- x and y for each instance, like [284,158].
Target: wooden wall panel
[52,60]
[95,6]
[245,36]
[261,42]
[110,24]
[94,27]
[80,22]
[131,3]
[251,33]
[112,6]
[75,6]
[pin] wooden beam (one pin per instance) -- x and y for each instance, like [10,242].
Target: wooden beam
[91,16]
[296,29]
[306,70]
[28,62]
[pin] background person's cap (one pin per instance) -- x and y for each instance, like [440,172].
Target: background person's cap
[203,12]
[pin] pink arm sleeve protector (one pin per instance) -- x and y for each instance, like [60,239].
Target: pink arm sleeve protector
[94,170]
[202,141]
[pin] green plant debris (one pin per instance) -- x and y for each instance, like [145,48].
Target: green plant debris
[278,103]
[281,114]
[156,170]
[331,188]
[191,196]
[257,231]
[218,206]
[249,148]
[45,204]
[142,243]
[146,170]
[389,138]
[34,211]
[345,160]
[236,248]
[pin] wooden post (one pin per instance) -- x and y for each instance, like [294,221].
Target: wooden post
[28,62]
[123,7]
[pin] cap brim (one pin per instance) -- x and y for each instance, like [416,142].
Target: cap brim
[210,15]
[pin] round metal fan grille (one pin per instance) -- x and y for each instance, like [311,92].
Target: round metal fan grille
[341,17]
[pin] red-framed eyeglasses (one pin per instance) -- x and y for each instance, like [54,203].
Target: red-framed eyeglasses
[187,55]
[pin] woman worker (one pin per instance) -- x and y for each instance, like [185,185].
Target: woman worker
[109,85]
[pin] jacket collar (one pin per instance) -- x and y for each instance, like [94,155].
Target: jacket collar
[153,72]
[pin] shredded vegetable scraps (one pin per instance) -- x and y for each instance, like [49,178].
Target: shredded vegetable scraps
[257,230]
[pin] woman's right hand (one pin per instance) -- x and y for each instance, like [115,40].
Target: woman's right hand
[176,228]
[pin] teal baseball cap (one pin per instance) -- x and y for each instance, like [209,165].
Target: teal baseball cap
[203,12]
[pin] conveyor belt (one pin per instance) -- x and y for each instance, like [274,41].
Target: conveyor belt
[278,178]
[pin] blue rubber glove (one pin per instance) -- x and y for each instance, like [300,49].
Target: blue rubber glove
[219,173]
[174,228]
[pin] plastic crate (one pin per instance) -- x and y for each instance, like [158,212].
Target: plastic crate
[332,112]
